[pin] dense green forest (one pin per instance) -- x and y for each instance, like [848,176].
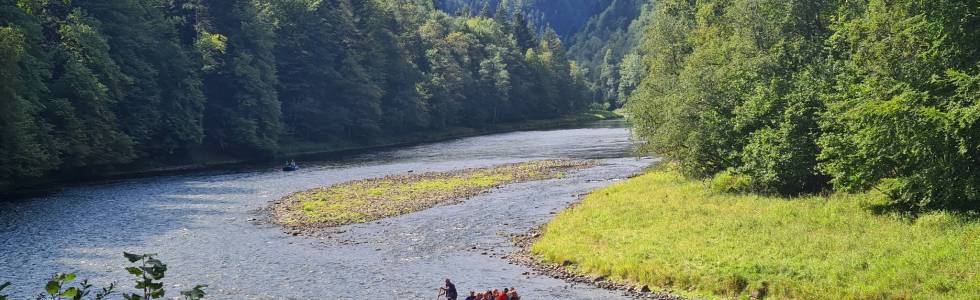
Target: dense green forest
[604,36]
[566,17]
[608,49]
[88,85]
[805,96]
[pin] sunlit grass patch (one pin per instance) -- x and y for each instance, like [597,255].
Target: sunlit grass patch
[372,199]
[664,230]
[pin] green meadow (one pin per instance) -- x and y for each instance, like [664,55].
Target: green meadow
[677,234]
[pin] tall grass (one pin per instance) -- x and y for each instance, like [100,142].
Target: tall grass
[667,231]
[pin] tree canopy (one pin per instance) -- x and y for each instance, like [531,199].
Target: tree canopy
[803,96]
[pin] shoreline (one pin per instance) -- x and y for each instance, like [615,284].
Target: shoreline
[524,257]
[639,232]
[320,153]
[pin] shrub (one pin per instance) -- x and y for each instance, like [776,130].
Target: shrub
[920,156]
[729,181]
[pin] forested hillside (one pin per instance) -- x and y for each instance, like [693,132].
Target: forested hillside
[791,97]
[603,37]
[566,17]
[608,49]
[88,85]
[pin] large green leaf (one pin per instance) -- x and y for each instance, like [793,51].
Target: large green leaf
[195,293]
[72,292]
[133,257]
[52,287]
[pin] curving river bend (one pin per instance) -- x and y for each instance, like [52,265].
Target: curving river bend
[208,227]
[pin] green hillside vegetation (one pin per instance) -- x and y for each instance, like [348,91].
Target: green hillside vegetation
[566,17]
[608,50]
[806,96]
[603,37]
[87,87]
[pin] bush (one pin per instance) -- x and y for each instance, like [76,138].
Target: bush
[729,181]
[921,156]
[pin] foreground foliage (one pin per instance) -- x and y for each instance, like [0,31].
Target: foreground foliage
[803,96]
[667,231]
[371,199]
[148,273]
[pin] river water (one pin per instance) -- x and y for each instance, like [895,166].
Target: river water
[209,229]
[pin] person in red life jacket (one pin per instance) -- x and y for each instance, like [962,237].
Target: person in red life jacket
[502,295]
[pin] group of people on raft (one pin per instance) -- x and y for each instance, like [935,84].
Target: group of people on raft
[449,290]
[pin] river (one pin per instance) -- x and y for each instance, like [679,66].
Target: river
[208,226]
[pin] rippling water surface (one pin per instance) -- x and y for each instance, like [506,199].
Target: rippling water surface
[207,227]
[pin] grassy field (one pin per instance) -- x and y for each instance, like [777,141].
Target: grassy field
[372,199]
[670,232]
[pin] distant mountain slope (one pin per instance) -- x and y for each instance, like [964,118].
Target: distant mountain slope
[603,36]
[567,17]
[604,44]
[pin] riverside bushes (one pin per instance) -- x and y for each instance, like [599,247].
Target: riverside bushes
[804,96]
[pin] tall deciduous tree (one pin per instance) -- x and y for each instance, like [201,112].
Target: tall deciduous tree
[243,109]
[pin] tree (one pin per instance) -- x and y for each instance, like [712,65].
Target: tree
[902,116]
[485,9]
[608,79]
[162,102]
[632,71]
[26,149]
[83,93]
[243,109]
